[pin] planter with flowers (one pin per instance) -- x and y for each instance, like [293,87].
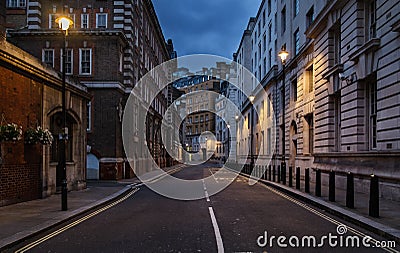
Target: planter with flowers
[32,137]
[10,132]
[38,135]
[10,151]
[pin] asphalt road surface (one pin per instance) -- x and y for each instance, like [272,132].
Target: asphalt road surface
[241,218]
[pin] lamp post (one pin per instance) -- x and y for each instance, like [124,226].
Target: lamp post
[237,137]
[283,54]
[251,99]
[64,23]
[229,141]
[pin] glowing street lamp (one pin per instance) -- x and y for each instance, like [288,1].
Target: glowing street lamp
[64,23]
[283,54]
[251,98]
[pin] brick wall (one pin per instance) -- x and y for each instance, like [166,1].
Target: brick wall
[19,183]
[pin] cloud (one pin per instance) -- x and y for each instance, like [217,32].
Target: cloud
[205,26]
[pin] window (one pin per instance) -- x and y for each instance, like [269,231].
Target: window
[263,16]
[259,50]
[269,141]
[269,7]
[269,106]
[48,57]
[16,3]
[296,7]
[294,90]
[264,42]
[85,61]
[101,20]
[296,39]
[121,60]
[265,65]
[283,20]
[259,28]
[89,116]
[338,109]
[85,21]
[52,21]
[270,58]
[310,79]
[370,19]
[310,17]
[269,32]
[335,43]
[310,122]
[276,23]
[372,109]
[68,61]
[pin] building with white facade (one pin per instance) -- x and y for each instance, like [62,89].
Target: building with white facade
[336,101]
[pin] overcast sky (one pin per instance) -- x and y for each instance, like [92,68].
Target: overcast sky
[205,26]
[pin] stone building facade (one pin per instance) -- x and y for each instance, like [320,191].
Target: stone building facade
[336,102]
[111,45]
[30,97]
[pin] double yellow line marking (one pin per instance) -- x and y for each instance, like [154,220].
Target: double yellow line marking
[73,224]
[374,241]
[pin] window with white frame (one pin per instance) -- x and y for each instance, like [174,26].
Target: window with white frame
[52,21]
[16,3]
[101,20]
[48,56]
[84,20]
[68,61]
[85,61]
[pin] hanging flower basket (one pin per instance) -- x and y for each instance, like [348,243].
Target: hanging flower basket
[10,132]
[38,135]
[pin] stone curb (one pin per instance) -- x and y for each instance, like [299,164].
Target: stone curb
[29,233]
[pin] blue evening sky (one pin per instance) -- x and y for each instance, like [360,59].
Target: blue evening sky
[205,26]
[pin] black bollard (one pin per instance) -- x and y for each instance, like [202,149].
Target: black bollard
[307,180]
[298,178]
[290,176]
[64,200]
[318,183]
[279,173]
[374,197]
[283,170]
[273,174]
[350,190]
[269,173]
[332,186]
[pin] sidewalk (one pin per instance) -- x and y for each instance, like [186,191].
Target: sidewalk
[387,225]
[24,220]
